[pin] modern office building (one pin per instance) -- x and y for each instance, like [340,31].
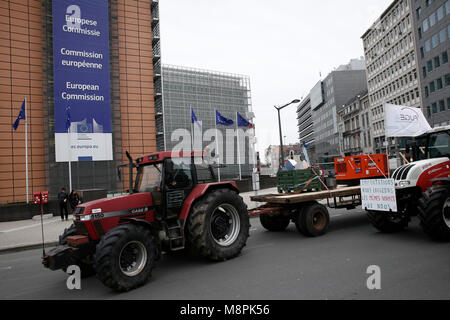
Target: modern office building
[204,92]
[97,58]
[327,99]
[392,67]
[306,127]
[432,33]
[355,126]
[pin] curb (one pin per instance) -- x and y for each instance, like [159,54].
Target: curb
[24,247]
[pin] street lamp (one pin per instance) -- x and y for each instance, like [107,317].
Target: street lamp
[281,134]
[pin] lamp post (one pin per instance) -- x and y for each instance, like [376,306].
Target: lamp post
[281,134]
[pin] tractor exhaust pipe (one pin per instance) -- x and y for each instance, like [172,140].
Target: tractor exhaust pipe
[130,167]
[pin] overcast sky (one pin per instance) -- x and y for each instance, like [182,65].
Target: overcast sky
[282,45]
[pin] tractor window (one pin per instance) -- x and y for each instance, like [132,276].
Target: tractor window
[178,174]
[439,145]
[148,178]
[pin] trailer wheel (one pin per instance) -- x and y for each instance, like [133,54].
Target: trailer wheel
[274,223]
[125,257]
[434,213]
[86,266]
[388,223]
[218,225]
[313,220]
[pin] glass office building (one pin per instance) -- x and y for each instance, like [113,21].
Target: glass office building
[204,92]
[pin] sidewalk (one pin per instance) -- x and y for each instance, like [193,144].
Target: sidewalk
[26,234]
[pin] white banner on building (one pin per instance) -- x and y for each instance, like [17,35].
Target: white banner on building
[403,121]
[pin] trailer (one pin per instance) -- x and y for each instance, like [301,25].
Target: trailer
[310,217]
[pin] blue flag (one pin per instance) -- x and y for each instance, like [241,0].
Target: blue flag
[21,116]
[194,119]
[221,120]
[68,121]
[242,122]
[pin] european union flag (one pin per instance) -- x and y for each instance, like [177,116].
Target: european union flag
[242,122]
[221,120]
[68,121]
[20,117]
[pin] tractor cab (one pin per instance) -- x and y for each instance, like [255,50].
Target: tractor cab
[433,144]
[170,178]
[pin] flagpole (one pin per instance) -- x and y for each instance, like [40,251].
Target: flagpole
[192,132]
[217,147]
[26,148]
[70,154]
[238,147]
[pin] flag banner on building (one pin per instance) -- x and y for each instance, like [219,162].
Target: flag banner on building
[242,122]
[221,120]
[194,119]
[68,121]
[21,116]
[81,68]
[404,121]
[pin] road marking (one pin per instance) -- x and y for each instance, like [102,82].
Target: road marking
[5,268]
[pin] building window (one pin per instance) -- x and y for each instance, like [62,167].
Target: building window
[448,100]
[434,107]
[435,41]
[430,65]
[424,71]
[439,83]
[442,36]
[432,19]
[442,105]
[445,56]
[437,62]
[440,13]
[425,25]
[427,45]
[447,79]
[426,92]
[432,87]
[447,7]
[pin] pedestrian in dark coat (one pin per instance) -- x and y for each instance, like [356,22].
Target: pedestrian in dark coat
[62,201]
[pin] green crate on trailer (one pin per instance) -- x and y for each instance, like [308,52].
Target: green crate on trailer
[295,180]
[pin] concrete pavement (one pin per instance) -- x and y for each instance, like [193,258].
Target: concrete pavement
[26,234]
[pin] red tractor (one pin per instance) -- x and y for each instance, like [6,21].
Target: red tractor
[175,203]
[422,187]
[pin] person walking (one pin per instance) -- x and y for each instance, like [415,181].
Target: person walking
[62,201]
[74,200]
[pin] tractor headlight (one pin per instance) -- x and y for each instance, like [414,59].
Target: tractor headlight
[86,217]
[403,184]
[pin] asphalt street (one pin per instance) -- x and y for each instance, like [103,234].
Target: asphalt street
[273,266]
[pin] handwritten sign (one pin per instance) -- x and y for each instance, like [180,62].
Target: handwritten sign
[379,195]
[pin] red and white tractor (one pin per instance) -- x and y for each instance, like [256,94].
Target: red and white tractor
[422,188]
[175,203]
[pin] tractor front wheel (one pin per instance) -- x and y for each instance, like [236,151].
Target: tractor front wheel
[218,225]
[125,257]
[387,222]
[434,212]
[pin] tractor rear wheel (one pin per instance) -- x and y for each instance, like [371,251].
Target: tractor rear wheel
[274,223]
[313,220]
[434,212]
[85,265]
[218,225]
[125,257]
[387,222]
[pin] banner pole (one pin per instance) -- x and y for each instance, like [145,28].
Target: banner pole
[26,148]
[70,160]
[238,148]
[217,147]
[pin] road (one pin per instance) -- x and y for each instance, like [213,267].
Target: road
[273,266]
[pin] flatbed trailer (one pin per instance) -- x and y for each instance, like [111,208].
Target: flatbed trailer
[310,217]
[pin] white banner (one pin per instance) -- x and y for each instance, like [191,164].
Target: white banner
[378,195]
[403,121]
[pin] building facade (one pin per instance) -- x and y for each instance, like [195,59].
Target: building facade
[337,88]
[355,126]
[27,66]
[306,127]
[432,32]
[204,92]
[392,67]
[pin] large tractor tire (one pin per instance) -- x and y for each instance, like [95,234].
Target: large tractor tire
[313,220]
[125,257]
[218,225]
[434,212]
[85,265]
[388,223]
[274,223]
